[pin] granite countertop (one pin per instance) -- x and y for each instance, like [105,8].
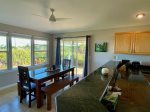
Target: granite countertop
[135,92]
[85,96]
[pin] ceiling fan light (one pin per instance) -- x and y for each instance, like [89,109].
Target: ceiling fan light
[52,18]
[140,15]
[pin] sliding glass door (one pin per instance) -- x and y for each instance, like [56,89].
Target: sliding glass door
[80,56]
[74,49]
[67,50]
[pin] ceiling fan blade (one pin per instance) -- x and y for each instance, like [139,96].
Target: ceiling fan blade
[62,19]
[39,16]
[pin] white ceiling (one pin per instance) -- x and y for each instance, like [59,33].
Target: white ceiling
[84,14]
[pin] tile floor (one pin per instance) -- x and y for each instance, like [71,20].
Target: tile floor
[9,102]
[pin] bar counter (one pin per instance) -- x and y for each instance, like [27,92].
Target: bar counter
[86,95]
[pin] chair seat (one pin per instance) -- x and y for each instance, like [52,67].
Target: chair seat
[33,86]
[65,75]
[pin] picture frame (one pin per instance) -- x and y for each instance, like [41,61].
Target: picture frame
[101,47]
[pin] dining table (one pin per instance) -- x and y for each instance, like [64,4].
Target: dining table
[44,74]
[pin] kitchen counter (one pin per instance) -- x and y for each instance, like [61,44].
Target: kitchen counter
[135,92]
[86,95]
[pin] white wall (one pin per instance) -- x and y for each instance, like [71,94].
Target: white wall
[99,58]
[10,77]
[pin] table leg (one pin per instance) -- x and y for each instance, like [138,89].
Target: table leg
[73,72]
[49,102]
[38,94]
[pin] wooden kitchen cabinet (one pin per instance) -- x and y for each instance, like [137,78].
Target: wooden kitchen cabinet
[123,43]
[142,43]
[132,43]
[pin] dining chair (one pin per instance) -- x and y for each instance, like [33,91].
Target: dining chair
[66,64]
[26,86]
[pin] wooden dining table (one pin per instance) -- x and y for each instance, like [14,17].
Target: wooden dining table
[46,75]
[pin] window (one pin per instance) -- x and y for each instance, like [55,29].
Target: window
[21,52]
[3,52]
[40,51]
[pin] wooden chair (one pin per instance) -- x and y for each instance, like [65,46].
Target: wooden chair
[66,64]
[26,86]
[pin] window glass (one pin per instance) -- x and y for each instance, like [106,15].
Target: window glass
[3,46]
[75,50]
[40,51]
[3,52]
[67,49]
[21,52]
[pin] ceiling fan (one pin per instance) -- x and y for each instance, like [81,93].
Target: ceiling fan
[52,17]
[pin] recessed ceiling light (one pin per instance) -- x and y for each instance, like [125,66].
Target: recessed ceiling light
[140,15]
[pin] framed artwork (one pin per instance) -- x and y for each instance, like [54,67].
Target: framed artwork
[101,47]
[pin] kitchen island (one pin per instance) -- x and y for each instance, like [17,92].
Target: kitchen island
[86,95]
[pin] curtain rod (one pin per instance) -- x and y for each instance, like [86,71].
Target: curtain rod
[74,37]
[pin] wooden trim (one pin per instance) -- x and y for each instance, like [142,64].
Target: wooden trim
[117,52]
[142,32]
[141,53]
[124,33]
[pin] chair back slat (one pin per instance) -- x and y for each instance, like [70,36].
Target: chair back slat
[24,77]
[66,63]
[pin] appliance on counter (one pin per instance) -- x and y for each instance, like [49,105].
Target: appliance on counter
[135,65]
[123,62]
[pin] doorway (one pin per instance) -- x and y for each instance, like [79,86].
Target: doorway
[74,49]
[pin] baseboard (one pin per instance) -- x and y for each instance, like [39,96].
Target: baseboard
[6,87]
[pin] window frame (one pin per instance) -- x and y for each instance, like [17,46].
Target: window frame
[72,40]
[5,34]
[19,37]
[47,55]
[8,51]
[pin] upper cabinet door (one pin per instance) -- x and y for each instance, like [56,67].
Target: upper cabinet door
[123,43]
[142,43]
